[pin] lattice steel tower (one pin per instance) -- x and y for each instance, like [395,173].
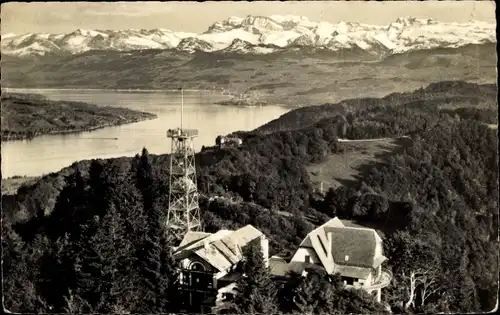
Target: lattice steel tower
[183,208]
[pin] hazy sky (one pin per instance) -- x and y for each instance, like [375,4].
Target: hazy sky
[54,17]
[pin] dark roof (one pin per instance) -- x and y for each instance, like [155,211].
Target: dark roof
[280,268]
[357,245]
[353,271]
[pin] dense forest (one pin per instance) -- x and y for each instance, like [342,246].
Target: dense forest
[435,203]
[25,116]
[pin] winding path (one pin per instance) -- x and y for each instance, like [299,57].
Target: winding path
[370,140]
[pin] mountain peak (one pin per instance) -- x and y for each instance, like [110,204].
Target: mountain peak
[407,20]
[82,31]
[264,34]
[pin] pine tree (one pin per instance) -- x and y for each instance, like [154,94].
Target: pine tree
[100,188]
[129,232]
[169,271]
[19,292]
[257,293]
[107,249]
[313,293]
[88,268]
[70,208]
[156,261]
[89,257]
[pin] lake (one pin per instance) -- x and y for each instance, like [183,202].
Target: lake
[46,154]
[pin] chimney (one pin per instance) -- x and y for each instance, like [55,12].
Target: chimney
[329,247]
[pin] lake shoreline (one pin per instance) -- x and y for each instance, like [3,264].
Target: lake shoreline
[47,154]
[256,103]
[22,137]
[229,102]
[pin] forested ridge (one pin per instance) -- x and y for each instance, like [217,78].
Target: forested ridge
[435,203]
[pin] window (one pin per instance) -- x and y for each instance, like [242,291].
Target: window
[227,296]
[348,280]
[196,266]
[307,259]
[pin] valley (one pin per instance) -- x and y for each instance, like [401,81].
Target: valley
[280,78]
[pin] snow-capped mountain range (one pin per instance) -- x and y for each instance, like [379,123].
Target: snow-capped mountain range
[262,35]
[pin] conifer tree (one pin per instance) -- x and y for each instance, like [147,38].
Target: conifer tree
[130,227]
[169,271]
[70,208]
[156,261]
[90,255]
[257,293]
[19,292]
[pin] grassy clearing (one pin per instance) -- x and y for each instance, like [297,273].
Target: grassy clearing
[12,184]
[344,169]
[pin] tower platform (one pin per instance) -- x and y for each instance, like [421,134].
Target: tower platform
[182,133]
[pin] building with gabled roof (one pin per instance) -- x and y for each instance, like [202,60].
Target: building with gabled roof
[353,252]
[208,263]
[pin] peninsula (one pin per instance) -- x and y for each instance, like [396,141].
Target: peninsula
[25,116]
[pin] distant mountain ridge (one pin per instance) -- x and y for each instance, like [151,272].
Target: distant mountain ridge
[263,35]
[306,77]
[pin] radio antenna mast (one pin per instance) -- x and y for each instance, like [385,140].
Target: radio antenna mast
[182,107]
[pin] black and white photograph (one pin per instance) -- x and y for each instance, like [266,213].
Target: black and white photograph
[260,157]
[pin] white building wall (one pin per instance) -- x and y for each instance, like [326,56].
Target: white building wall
[184,263]
[379,273]
[302,252]
[365,282]
[264,244]
[378,248]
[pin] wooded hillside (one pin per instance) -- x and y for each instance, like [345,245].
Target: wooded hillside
[435,202]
